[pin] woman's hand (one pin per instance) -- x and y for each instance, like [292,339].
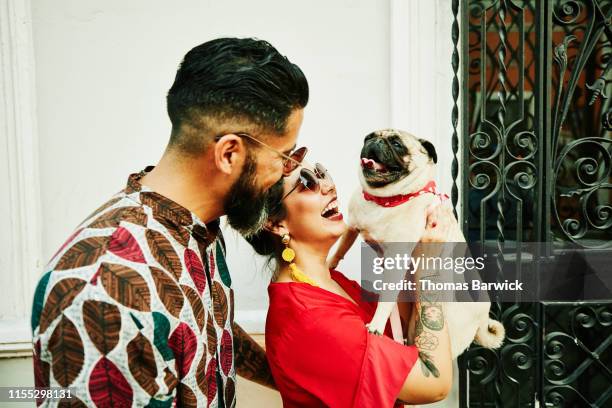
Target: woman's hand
[439,222]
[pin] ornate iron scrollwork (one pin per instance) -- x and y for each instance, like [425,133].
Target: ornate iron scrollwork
[606,120]
[536,166]
[576,353]
[582,199]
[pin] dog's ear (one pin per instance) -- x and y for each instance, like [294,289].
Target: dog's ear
[431,150]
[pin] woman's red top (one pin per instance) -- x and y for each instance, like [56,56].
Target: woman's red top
[321,354]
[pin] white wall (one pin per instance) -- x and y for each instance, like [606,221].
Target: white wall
[20,237]
[421,75]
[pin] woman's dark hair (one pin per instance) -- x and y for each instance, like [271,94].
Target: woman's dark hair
[265,242]
[230,79]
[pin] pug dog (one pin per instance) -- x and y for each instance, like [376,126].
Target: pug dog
[397,187]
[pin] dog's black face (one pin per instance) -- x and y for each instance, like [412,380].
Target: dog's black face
[390,155]
[382,159]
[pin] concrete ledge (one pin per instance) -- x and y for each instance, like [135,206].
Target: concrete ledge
[15,339]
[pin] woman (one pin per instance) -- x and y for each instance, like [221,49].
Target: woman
[317,344]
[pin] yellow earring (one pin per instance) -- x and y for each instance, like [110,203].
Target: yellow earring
[288,256]
[288,253]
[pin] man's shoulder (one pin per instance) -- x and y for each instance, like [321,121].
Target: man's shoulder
[129,250]
[102,230]
[120,208]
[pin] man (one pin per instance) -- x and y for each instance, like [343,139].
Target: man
[136,308]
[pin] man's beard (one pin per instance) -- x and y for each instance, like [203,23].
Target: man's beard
[246,207]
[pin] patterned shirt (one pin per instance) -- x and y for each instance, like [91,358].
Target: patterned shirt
[136,308]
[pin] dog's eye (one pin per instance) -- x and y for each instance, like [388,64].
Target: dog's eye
[396,143]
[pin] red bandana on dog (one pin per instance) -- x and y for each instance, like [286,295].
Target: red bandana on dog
[392,201]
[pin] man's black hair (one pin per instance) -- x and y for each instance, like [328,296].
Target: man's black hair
[234,79]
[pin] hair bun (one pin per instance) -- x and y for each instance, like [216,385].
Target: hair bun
[264,243]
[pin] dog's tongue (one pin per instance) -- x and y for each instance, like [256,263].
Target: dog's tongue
[371,164]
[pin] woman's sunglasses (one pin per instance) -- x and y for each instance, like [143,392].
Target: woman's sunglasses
[309,179]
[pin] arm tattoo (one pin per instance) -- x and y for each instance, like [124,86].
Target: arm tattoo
[430,316]
[250,359]
[418,328]
[429,319]
[427,342]
[427,365]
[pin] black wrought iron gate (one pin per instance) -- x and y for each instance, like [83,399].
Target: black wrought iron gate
[533,157]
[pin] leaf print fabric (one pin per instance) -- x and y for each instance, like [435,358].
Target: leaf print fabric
[124,245]
[196,270]
[222,309]
[67,353]
[197,306]
[164,253]
[61,296]
[126,286]
[141,361]
[119,315]
[169,292]
[108,386]
[183,343]
[41,369]
[83,253]
[103,323]
[113,218]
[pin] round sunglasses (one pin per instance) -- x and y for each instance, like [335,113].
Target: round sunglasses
[309,179]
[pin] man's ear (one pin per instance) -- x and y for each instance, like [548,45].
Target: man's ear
[229,153]
[430,149]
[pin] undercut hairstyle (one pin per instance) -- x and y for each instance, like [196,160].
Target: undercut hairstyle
[231,85]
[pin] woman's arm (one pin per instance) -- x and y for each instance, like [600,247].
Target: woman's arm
[346,241]
[431,378]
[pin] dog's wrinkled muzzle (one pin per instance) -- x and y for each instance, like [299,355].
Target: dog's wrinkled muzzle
[378,155]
